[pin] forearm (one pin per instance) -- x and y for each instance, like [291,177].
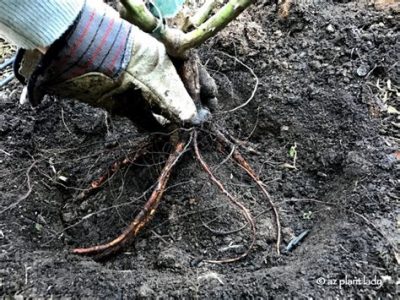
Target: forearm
[35,23]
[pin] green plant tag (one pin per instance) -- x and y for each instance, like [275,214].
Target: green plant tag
[165,8]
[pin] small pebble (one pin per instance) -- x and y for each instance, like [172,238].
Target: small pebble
[315,65]
[330,28]
[278,33]
[68,217]
[285,128]
[145,292]
[362,70]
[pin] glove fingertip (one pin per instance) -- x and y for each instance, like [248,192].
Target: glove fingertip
[202,115]
[23,99]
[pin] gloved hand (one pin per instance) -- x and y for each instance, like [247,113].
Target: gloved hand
[102,56]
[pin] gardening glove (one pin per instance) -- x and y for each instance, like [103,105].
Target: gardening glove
[100,57]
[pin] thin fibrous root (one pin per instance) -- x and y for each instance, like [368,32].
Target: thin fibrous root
[246,213]
[242,162]
[129,159]
[222,233]
[144,216]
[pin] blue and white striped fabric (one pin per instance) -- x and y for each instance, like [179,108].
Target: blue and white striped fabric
[35,23]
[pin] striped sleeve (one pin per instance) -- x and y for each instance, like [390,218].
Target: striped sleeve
[100,42]
[36,23]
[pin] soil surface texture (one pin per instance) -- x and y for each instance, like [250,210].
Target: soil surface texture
[321,129]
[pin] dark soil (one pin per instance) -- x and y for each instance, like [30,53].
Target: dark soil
[319,73]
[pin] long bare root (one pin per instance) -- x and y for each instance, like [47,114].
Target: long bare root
[245,212]
[144,216]
[243,163]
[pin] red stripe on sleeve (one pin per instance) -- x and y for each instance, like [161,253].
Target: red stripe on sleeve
[77,43]
[120,50]
[83,35]
[96,52]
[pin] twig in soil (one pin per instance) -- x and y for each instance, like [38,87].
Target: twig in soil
[161,238]
[242,162]
[257,82]
[144,216]
[243,144]
[5,152]
[255,125]
[243,209]
[27,273]
[228,157]
[63,121]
